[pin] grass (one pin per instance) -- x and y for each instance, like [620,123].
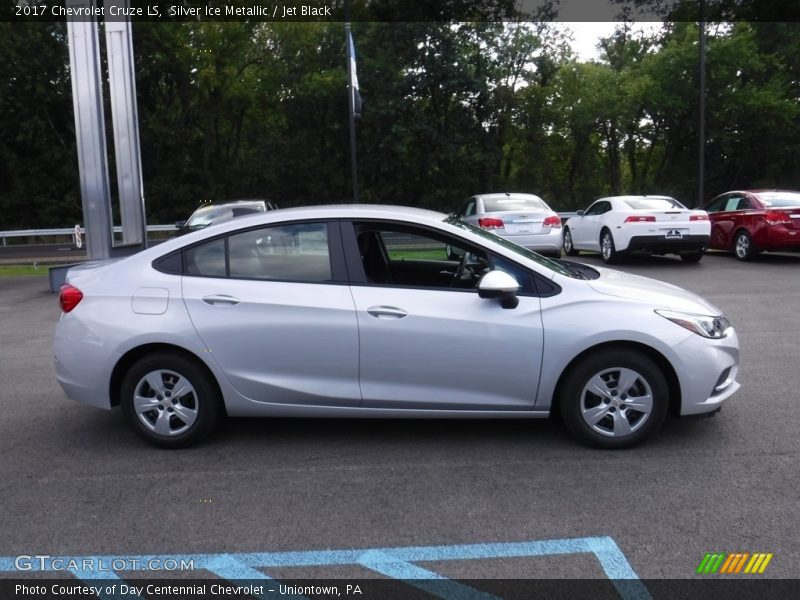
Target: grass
[22,270]
[417,254]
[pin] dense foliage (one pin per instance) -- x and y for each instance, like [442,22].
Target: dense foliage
[233,110]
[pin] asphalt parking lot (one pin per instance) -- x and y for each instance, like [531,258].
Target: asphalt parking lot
[75,481]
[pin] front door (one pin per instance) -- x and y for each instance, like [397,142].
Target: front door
[427,340]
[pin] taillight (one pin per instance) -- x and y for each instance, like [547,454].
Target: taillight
[777,218]
[698,217]
[553,221]
[640,220]
[490,223]
[69,296]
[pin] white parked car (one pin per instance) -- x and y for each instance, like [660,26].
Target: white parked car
[524,219]
[638,224]
[357,311]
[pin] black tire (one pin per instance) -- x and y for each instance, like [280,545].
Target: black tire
[693,257]
[569,247]
[170,413]
[608,253]
[743,247]
[615,409]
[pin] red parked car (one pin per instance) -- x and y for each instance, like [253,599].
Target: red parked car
[751,221]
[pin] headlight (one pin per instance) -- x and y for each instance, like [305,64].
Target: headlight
[704,325]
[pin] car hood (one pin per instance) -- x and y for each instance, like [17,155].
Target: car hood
[654,292]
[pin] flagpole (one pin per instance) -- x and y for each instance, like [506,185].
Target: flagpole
[351,99]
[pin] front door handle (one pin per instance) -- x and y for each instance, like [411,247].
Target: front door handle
[220,299]
[387,312]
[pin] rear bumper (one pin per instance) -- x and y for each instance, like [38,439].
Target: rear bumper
[82,362]
[780,238]
[549,241]
[659,244]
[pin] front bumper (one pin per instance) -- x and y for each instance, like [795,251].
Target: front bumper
[707,371]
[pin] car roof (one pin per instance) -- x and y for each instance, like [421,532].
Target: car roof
[763,191]
[326,211]
[502,195]
[632,197]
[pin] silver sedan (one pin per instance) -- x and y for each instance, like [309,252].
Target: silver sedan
[361,311]
[524,219]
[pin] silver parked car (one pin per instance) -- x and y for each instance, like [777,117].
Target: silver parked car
[354,311]
[212,214]
[524,219]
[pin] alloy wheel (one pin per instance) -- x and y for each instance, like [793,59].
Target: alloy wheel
[742,247]
[607,247]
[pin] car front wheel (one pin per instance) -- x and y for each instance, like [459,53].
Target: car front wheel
[614,399]
[607,248]
[169,400]
[569,248]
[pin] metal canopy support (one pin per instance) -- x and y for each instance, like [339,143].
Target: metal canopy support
[124,114]
[90,135]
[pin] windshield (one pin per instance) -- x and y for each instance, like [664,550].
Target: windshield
[513,203]
[202,217]
[781,200]
[207,215]
[522,251]
[653,203]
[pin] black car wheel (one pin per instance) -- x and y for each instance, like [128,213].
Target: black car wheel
[170,400]
[614,399]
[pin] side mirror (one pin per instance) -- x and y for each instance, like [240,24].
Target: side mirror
[453,253]
[501,285]
[179,224]
[579,213]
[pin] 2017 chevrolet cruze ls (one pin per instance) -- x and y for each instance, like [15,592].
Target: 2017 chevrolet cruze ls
[375,311]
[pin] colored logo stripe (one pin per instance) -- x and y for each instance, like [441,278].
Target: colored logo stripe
[758,563]
[734,562]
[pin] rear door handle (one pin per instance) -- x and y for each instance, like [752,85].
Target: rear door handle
[387,312]
[220,299]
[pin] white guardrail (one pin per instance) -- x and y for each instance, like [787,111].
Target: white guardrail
[77,232]
[67,231]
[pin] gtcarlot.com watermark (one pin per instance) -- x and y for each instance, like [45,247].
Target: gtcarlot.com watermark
[46,562]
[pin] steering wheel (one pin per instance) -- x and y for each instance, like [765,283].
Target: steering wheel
[463,267]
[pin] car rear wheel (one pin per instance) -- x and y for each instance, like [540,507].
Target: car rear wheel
[693,257]
[169,400]
[743,246]
[569,248]
[607,248]
[614,399]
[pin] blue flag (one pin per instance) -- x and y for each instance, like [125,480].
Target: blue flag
[351,52]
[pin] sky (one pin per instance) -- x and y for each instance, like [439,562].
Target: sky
[587,34]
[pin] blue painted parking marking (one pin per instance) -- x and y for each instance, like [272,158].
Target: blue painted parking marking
[396,563]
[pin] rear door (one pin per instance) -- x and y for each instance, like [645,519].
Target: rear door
[272,306]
